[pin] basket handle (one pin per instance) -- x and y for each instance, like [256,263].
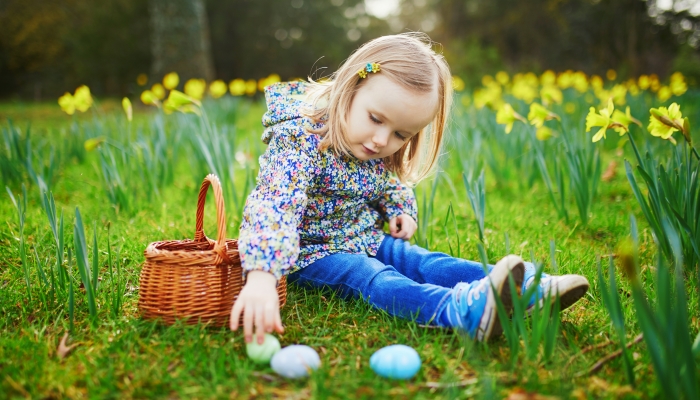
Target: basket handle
[220,247]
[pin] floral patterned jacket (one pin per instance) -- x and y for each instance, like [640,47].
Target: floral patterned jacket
[309,204]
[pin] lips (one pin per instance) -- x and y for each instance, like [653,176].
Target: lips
[368,151]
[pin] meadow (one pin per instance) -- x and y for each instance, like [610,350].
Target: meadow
[521,174]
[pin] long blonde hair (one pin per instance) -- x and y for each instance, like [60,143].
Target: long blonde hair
[409,60]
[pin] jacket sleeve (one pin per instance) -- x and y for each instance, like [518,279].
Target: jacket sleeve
[268,239]
[397,199]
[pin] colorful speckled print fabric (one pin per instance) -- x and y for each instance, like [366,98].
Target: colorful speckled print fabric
[309,204]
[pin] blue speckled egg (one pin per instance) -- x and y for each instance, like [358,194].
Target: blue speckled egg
[295,361]
[397,361]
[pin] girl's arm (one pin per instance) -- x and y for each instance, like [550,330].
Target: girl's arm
[269,242]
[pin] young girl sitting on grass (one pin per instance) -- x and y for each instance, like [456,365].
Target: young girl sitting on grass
[338,165]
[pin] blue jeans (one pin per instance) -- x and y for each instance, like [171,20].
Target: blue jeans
[405,280]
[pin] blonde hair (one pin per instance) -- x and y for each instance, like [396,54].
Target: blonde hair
[409,60]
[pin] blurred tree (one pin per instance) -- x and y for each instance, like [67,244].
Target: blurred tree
[180,39]
[293,38]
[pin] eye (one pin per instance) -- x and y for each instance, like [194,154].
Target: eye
[376,121]
[398,135]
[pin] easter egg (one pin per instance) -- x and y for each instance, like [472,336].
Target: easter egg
[397,361]
[295,361]
[262,353]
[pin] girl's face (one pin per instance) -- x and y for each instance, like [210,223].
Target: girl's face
[384,116]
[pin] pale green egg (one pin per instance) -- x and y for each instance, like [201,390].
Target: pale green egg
[262,353]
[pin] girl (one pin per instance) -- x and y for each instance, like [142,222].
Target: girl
[340,158]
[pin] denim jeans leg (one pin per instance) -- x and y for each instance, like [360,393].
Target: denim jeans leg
[425,266]
[357,275]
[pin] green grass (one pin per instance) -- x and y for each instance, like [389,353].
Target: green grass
[125,356]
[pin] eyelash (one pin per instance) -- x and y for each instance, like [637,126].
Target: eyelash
[376,121]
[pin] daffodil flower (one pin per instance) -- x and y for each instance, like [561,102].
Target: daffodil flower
[158,90]
[538,114]
[551,94]
[543,133]
[171,80]
[126,105]
[195,88]
[664,121]
[624,119]
[217,89]
[67,104]
[603,119]
[93,143]
[237,87]
[178,101]
[82,98]
[507,116]
[149,98]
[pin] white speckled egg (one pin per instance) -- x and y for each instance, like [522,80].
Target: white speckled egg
[397,361]
[295,361]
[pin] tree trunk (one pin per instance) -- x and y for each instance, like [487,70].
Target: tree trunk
[180,39]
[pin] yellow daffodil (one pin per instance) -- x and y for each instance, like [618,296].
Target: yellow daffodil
[195,88]
[237,87]
[632,87]
[250,87]
[565,79]
[611,74]
[502,77]
[678,85]
[603,119]
[67,104]
[171,80]
[217,89]
[543,133]
[93,143]
[551,94]
[548,77]
[178,101]
[664,121]
[643,82]
[619,94]
[580,82]
[158,90]
[664,93]
[654,83]
[142,79]
[149,98]
[457,83]
[596,82]
[488,96]
[524,90]
[507,116]
[624,119]
[539,114]
[82,98]
[126,105]
[487,80]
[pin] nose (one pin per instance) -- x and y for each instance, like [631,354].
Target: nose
[381,137]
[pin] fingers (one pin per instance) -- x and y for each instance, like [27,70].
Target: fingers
[278,322]
[259,324]
[393,229]
[235,315]
[248,323]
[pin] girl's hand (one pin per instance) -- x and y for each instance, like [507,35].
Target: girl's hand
[260,305]
[402,227]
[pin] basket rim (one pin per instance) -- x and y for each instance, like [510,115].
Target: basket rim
[184,257]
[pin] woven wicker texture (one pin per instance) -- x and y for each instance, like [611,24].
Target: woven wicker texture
[195,280]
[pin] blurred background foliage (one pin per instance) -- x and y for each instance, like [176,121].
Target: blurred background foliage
[48,47]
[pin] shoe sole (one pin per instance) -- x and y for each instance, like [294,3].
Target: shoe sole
[571,289]
[510,265]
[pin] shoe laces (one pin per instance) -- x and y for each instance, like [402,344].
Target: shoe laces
[475,291]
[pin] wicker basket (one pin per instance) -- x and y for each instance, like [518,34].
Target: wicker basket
[195,280]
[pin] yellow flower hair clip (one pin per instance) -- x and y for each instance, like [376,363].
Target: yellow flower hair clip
[370,67]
